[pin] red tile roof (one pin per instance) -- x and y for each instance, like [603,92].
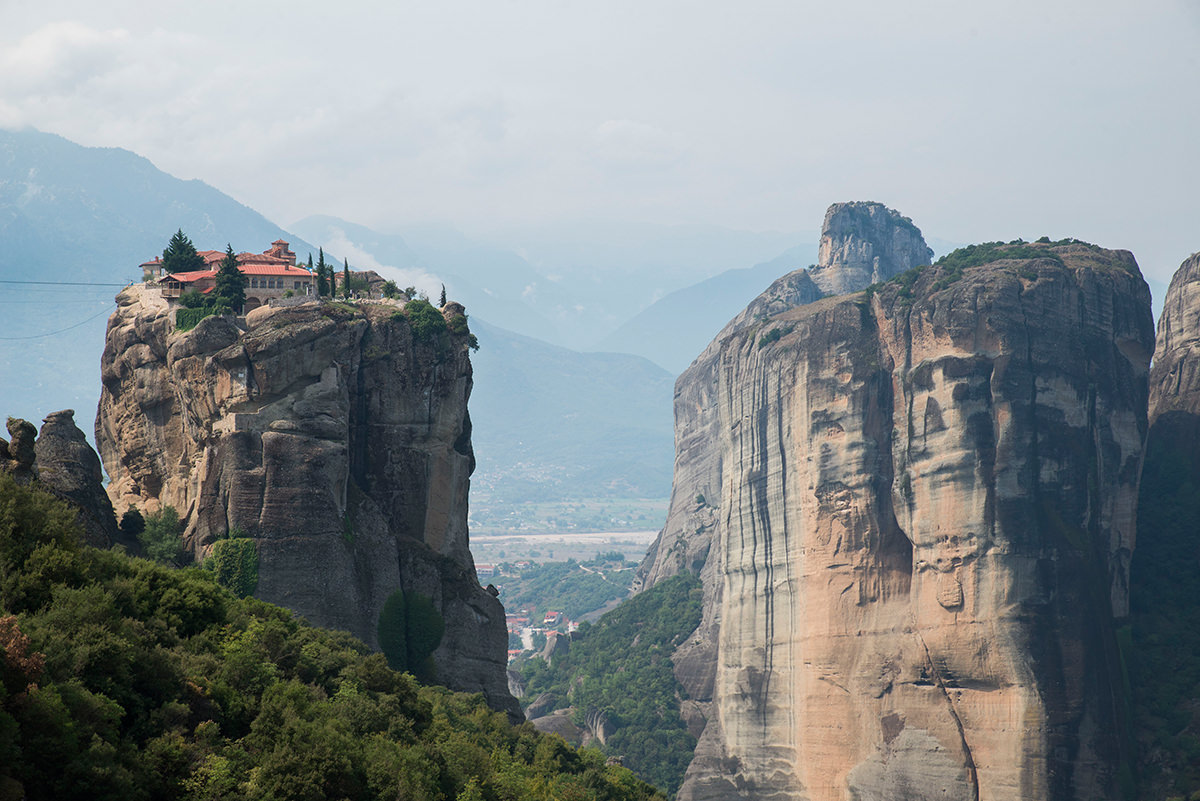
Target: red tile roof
[247,269]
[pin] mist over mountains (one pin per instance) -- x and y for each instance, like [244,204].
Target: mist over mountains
[88,216]
[552,423]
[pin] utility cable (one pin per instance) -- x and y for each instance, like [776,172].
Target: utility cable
[59,331]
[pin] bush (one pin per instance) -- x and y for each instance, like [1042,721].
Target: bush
[427,322]
[410,629]
[161,536]
[188,318]
[132,523]
[191,300]
[235,563]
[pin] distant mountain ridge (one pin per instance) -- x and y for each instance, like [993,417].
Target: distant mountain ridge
[89,215]
[676,328]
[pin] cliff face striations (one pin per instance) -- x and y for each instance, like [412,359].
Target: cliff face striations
[334,437]
[913,511]
[1175,379]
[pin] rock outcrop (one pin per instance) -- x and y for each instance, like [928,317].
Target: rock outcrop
[913,512]
[1175,377]
[62,462]
[334,436]
[865,243]
[68,466]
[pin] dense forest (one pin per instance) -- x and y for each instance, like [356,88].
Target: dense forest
[621,667]
[123,679]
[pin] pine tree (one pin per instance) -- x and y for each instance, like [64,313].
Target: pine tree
[310,264]
[345,278]
[442,302]
[322,281]
[231,283]
[180,255]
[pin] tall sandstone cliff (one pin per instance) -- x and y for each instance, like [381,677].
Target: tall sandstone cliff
[1166,568]
[1175,379]
[333,437]
[913,511]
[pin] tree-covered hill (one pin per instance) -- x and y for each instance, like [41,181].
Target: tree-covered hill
[621,668]
[123,679]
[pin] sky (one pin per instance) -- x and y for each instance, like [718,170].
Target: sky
[981,121]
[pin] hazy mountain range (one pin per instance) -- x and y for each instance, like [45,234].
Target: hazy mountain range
[551,422]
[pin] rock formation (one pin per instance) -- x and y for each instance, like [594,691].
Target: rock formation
[63,463]
[334,436]
[67,465]
[1175,378]
[1164,636]
[863,244]
[913,512]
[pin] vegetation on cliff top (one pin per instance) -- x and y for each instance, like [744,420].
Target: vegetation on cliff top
[122,679]
[622,667]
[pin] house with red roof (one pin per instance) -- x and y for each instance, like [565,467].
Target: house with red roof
[270,274]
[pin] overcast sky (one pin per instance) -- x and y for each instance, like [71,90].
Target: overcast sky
[981,121]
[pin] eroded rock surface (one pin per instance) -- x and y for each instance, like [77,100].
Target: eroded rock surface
[60,460]
[329,435]
[1175,378]
[864,243]
[913,512]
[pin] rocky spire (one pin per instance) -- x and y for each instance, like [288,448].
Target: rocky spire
[864,243]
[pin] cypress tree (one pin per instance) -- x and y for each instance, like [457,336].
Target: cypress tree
[322,282]
[345,278]
[231,283]
[180,255]
[442,302]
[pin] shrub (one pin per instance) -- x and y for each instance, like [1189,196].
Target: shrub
[410,629]
[458,325]
[188,318]
[427,322]
[191,299]
[161,536]
[774,335]
[132,523]
[235,563]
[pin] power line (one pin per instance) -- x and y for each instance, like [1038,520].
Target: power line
[65,283]
[59,331]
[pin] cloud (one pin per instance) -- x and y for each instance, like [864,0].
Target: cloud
[58,58]
[360,259]
[630,145]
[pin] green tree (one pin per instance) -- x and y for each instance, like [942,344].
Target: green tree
[427,322]
[345,278]
[132,522]
[410,629]
[161,536]
[442,300]
[310,265]
[323,289]
[180,255]
[231,283]
[390,290]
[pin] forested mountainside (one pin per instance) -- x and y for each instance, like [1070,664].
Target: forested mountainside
[121,679]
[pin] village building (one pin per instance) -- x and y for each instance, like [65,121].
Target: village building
[270,274]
